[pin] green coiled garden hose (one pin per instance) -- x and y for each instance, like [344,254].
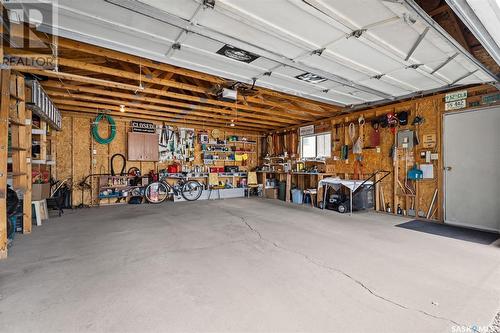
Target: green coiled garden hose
[95,129]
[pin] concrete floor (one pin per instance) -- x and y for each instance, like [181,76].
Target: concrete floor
[243,265]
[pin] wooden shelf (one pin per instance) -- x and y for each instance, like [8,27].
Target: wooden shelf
[17,148]
[16,122]
[37,131]
[16,174]
[47,162]
[17,98]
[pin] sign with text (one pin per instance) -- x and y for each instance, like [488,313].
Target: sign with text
[455,96]
[142,127]
[455,105]
[306,130]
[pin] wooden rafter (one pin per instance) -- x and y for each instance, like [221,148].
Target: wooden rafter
[167,110]
[51,85]
[89,73]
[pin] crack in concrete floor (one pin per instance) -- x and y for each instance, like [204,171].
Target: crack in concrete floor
[339,271]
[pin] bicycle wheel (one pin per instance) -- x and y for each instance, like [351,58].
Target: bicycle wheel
[156,192]
[192,190]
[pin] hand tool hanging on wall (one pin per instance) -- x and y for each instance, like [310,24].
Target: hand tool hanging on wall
[295,143]
[431,206]
[345,147]
[263,144]
[277,146]
[288,143]
[358,168]
[417,121]
[270,146]
[352,137]
[164,136]
[358,145]
[375,136]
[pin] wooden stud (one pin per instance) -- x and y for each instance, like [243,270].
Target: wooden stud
[4,133]
[27,217]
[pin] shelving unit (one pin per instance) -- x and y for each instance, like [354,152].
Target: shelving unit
[20,149]
[221,149]
[118,186]
[15,135]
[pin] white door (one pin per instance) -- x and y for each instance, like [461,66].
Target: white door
[472,168]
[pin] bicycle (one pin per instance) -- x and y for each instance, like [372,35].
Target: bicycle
[158,192]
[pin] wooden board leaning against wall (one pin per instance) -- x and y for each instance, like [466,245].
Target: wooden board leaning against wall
[374,158]
[79,155]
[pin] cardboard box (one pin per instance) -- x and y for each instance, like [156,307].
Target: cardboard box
[271,193]
[40,192]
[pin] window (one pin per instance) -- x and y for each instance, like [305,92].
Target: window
[315,146]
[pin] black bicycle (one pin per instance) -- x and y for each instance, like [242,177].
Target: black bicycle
[158,192]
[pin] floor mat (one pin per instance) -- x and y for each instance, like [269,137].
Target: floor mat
[450,231]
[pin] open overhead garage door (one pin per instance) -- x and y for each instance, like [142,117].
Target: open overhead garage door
[344,52]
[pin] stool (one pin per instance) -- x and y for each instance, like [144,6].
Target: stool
[41,211]
[312,192]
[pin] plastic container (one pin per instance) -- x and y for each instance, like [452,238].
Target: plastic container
[282,191]
[297,196]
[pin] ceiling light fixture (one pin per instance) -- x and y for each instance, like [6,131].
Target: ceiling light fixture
[311,78]
[141,86]
[209,4]
[237,54]
[122,108]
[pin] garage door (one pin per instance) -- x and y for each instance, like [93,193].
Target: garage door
[472,168]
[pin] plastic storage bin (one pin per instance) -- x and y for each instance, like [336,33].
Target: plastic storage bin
[297,196]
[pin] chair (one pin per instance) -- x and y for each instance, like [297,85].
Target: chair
[40,210]
[214,184]
[252,183]
[312,192]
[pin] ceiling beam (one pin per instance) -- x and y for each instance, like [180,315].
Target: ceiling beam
[162,101]
[96,50]
[115,55]
[129,87]
[76,111]
[64,104]
[172,111]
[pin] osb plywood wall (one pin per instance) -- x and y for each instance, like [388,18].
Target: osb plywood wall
[373,159]
[79,155]
[379,158]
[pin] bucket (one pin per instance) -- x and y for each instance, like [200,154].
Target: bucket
[297,196]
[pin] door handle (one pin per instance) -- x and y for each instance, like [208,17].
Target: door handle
[449,168]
